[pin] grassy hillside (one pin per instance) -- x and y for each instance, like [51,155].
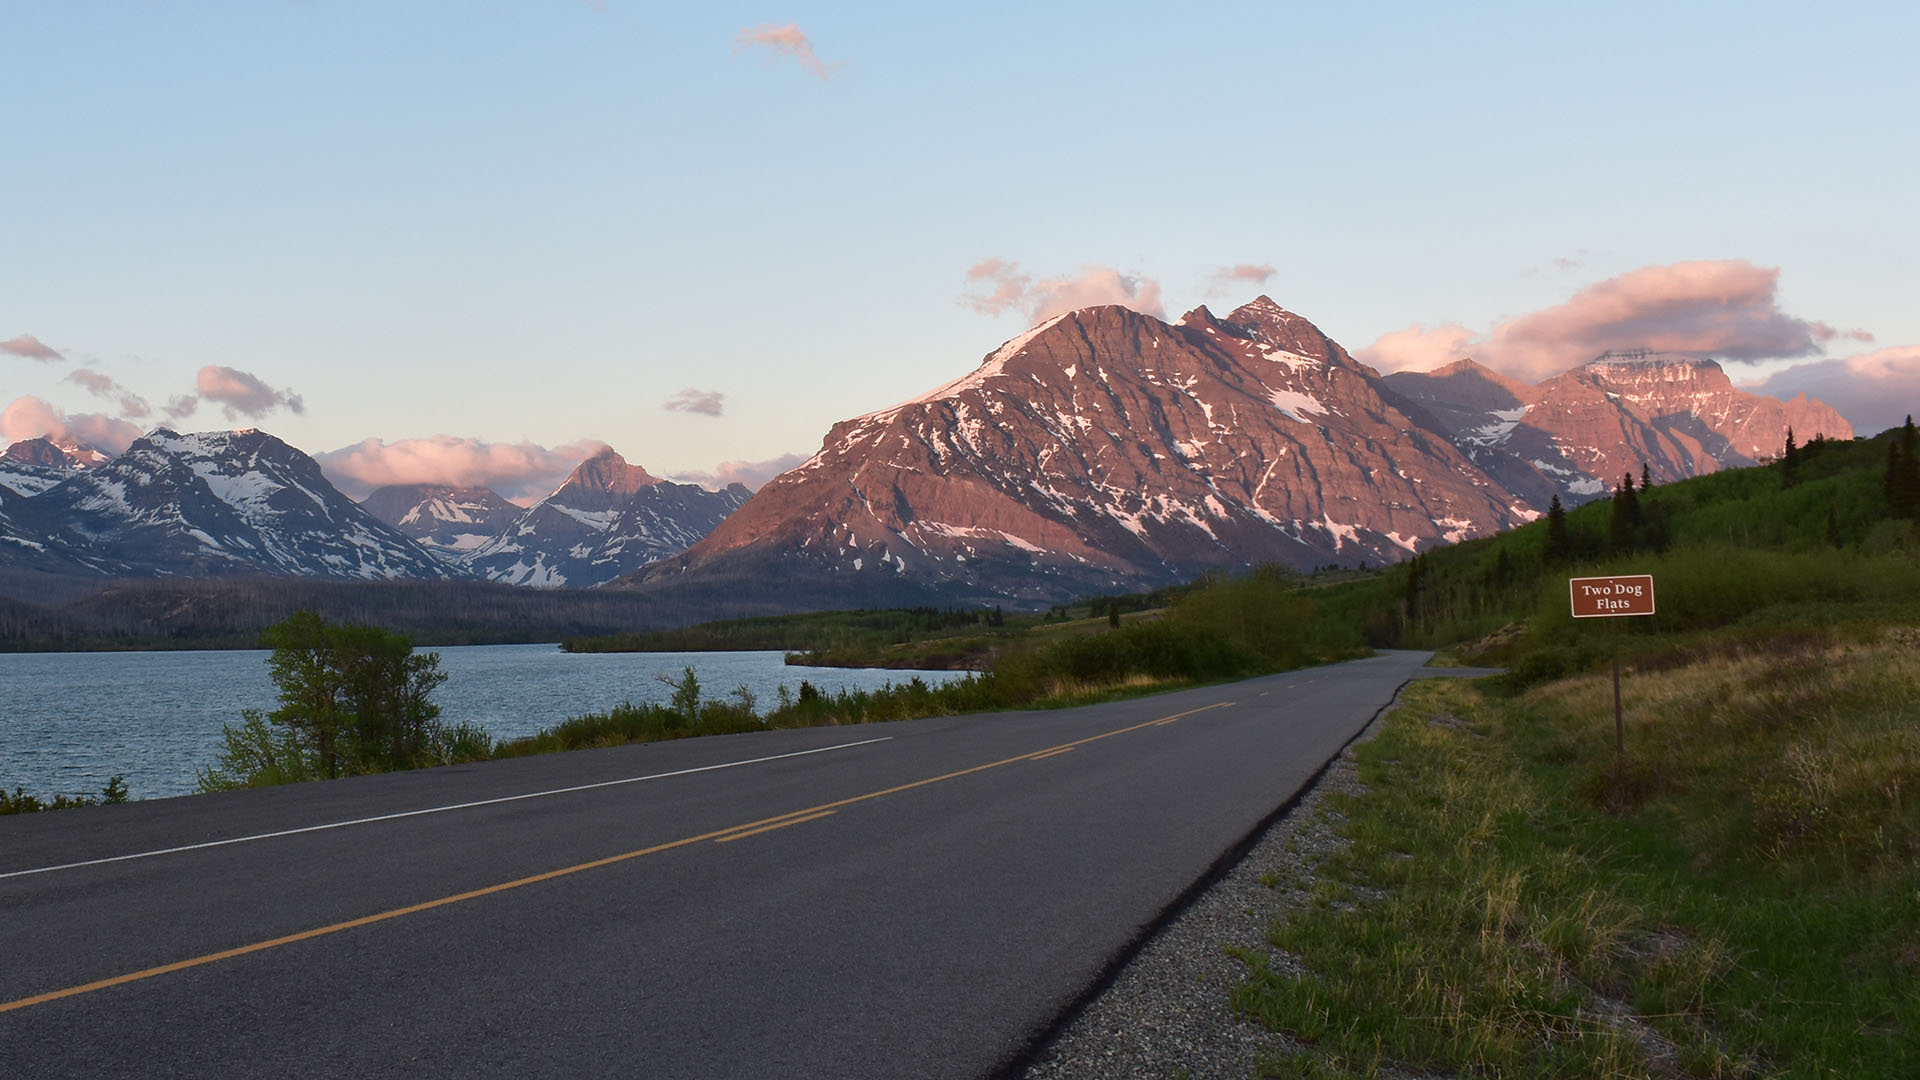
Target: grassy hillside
[1736,896]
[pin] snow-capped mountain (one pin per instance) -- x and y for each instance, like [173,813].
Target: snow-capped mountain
[608,518]
[1579,432]
[224,502]
[448,521]
[1107,449]
[31,466]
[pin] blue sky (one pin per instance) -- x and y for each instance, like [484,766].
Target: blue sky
[486,234]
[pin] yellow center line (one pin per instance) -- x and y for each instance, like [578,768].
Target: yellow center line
[731,837]
[733,833]
[1051,753]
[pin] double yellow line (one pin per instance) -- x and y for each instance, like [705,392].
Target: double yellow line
[721,836]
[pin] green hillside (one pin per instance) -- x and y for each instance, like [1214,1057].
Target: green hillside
[1735,896]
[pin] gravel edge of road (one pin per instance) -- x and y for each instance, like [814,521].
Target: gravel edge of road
[1165,1011]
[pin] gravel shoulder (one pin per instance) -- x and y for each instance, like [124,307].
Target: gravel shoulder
[1167,1013]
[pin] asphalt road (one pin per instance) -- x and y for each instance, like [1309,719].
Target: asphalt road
[921,899]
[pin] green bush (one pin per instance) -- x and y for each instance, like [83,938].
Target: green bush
[353,699]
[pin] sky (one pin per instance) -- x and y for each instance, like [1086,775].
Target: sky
[471,242]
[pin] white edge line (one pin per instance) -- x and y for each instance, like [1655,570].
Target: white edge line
[435,810]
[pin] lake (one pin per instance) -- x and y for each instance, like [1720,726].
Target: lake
[69,721]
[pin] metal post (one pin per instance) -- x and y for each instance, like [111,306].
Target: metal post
[1619,726]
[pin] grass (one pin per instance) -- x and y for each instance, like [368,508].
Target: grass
[1738,898]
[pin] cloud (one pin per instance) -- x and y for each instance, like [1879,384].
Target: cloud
[1006,288]
[241,394]
[1874,391]
[704,402]
[1727,309]
[1227,277]
[31,418]
[1419,348]
[781,41]
[181,406]
[522,472]
[753,474]
[132,405]
[29,347]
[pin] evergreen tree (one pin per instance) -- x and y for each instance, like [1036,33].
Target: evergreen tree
[1559,550]
[1623,525]
[1416,575]
[1903,473]
[1646,477]
[1789,463]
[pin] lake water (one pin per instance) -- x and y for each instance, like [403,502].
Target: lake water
[69,721]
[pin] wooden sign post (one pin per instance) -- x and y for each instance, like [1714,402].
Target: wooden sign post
[1606,598]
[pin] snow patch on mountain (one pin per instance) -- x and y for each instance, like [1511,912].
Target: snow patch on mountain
[1297,405]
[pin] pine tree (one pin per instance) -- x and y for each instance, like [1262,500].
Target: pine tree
[1646,477]
[1559,550]
[1789,463]
[1623,525]
[1903,473]
[1416,573]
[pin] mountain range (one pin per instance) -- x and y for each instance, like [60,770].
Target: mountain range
[245,503]
[1108,450]
[1102,450]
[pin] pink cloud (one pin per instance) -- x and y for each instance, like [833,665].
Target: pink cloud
[1727,309]
[1420,348]
[132,405]
[241,394]
[28,347]
[752,474]
[781,41]
[522,472]
[31,418]
[1227,277]
[704,402]
[1874,391]
[1006,288]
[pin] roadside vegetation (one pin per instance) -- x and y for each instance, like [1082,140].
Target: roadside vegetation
[923,638]
[353,699]
[1739,895]
[23,802]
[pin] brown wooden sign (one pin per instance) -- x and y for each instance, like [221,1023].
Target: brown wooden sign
[1604,597]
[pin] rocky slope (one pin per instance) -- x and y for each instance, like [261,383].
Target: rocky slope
[1105,449]
[608,518]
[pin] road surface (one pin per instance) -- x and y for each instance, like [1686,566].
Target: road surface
[920,899]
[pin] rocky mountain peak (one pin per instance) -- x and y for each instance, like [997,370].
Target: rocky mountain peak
[602,480]
[442,518]
[1108,449]
[46,454]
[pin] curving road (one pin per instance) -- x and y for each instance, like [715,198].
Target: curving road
[920,899]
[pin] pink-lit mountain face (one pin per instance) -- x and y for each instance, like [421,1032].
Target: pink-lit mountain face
[1578,433]
[1106,449]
